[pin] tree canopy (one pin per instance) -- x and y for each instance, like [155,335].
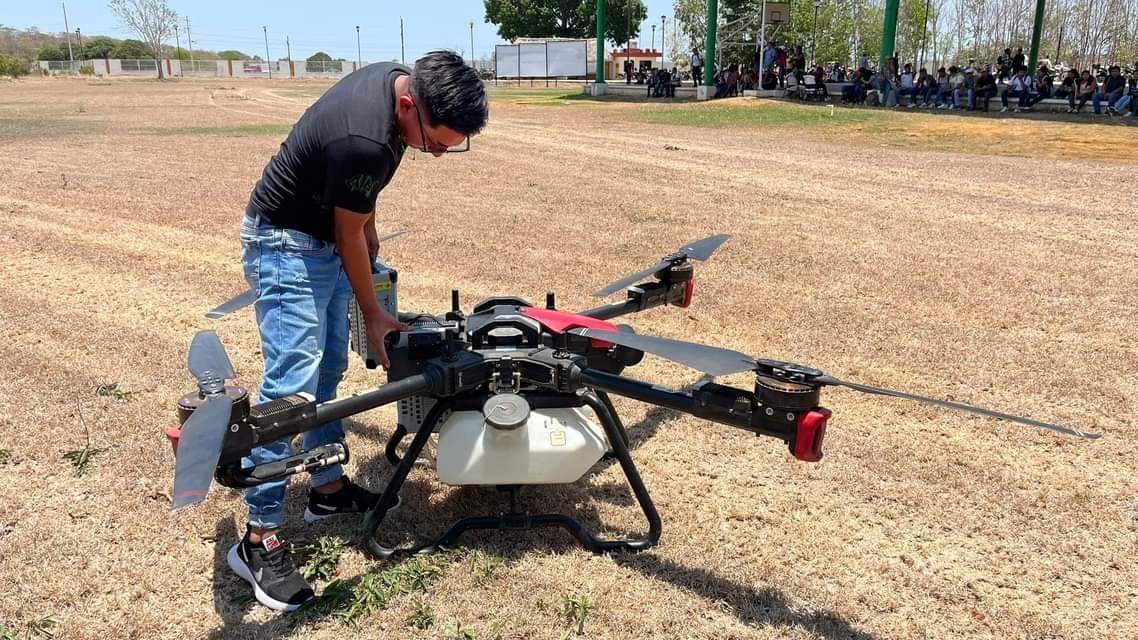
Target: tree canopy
[565,18]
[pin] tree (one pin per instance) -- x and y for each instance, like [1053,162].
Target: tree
[564,18]
[232,54]
[622,20]
[319,56]
[51,52]
[539,18]
[152,20]
[130,50]
[98,47]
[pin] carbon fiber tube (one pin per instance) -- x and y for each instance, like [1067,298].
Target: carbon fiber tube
[386,394]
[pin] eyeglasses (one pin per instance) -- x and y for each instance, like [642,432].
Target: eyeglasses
[430,146]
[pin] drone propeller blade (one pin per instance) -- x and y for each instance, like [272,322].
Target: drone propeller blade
[392,236]
[830,380]
[699,250]
[717,362]
[208,360]
[702,249]
[199,448]
[630,280]
[239,301]
[711,360]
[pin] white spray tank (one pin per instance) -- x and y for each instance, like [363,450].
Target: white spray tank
[507,443]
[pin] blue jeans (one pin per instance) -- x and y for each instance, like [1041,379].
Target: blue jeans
[1109,98]
[302,313]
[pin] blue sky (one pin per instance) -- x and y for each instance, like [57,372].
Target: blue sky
[311,25]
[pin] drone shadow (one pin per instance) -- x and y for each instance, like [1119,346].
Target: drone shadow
[766,606]
[427,511]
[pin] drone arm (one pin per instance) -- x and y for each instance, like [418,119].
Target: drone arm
[643,296]
[271,427]
[726,405]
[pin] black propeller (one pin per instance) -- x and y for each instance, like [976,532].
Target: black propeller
[717,361]
[700,250]
[248,296]
[203,434]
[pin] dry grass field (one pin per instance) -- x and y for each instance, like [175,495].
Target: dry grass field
[986,260]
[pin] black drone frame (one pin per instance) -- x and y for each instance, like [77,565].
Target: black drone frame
[553,359]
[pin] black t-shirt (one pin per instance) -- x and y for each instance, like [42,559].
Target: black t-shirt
[341,153]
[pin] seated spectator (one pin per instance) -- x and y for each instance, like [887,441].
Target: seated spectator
[769,81]
[1131,98]
[908,86]
[1069,85]
[854,93]
[1019,87]
[791,82]
[985,89]
[1084,91]
[943,88]
[1111,90]
[1044,82]
[820,83]
[962,85]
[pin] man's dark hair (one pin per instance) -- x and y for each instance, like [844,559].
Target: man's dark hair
[450,92]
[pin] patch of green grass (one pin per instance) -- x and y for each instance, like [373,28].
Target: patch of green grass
[483,567]
[322,557]
[112,390]
[351,600]
[559,96]
[424,616]
[575,609]
[82,459]
[43,627]
[5,456]
[750,113]
[231,131]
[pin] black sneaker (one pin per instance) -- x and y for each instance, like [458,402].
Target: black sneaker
[351,498]
[268,567]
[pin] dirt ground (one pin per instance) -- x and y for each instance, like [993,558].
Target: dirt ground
[1001,280]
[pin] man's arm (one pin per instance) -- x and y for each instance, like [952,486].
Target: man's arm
[353,248]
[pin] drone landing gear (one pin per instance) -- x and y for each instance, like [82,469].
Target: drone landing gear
[516,520]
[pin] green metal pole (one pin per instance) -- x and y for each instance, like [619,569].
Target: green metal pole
[709,53]
[1036,35]
[600,79]
[889,32]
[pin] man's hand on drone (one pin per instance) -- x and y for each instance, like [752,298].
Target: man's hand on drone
[378,325]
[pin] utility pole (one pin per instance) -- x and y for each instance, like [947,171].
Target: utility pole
[472,45]
[359,58]
[654,37]
[189,42]
[814,38]
[628,33]
[267,62]
[924,33]
[177,41]
[67,30]
[402,51]
[663,42]
[288,48]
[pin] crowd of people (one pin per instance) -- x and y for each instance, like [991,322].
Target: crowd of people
[973,87]
[970,87]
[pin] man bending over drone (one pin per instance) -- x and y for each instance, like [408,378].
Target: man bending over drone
[307,241]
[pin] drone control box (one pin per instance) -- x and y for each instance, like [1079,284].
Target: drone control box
[383,283]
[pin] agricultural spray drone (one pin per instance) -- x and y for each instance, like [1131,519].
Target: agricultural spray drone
[517,395]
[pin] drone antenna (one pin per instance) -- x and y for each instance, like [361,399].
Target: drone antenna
[549,301]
